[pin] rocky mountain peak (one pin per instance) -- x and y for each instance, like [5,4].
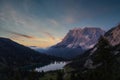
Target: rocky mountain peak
[84,38]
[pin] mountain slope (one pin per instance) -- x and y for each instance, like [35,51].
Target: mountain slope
[81,38]
[14,54]
[101,62]
[113,35]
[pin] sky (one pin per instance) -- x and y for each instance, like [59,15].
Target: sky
[43,23]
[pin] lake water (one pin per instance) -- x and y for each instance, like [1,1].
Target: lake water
[52,67]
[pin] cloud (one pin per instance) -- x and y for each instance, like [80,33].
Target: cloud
[17,20]
[19,36]
[69,19]
[22,35]
[49,35]
[16,33]
[16,24]
[53,22]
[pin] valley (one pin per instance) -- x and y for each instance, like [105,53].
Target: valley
[59,39]
[98,61]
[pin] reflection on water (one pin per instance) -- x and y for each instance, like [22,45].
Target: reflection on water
[51,67]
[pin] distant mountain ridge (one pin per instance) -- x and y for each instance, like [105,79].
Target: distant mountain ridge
[14,54]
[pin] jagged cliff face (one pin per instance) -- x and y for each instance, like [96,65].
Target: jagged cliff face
[81,38]
[113,35]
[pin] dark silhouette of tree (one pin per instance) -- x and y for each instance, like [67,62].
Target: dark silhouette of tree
[42,73]
[59,75]
[72,76]
[109,70]
[103,53]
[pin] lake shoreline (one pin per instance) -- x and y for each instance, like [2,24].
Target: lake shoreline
[52,67]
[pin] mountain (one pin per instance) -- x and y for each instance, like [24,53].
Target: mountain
[38,49]
[113,35]
[84,38]
[14,54]
[102,62]
[76,42]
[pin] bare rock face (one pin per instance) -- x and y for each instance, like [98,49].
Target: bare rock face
[84,38]
[113,35]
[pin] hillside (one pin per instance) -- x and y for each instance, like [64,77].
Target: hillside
[14,54]
[101,62]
